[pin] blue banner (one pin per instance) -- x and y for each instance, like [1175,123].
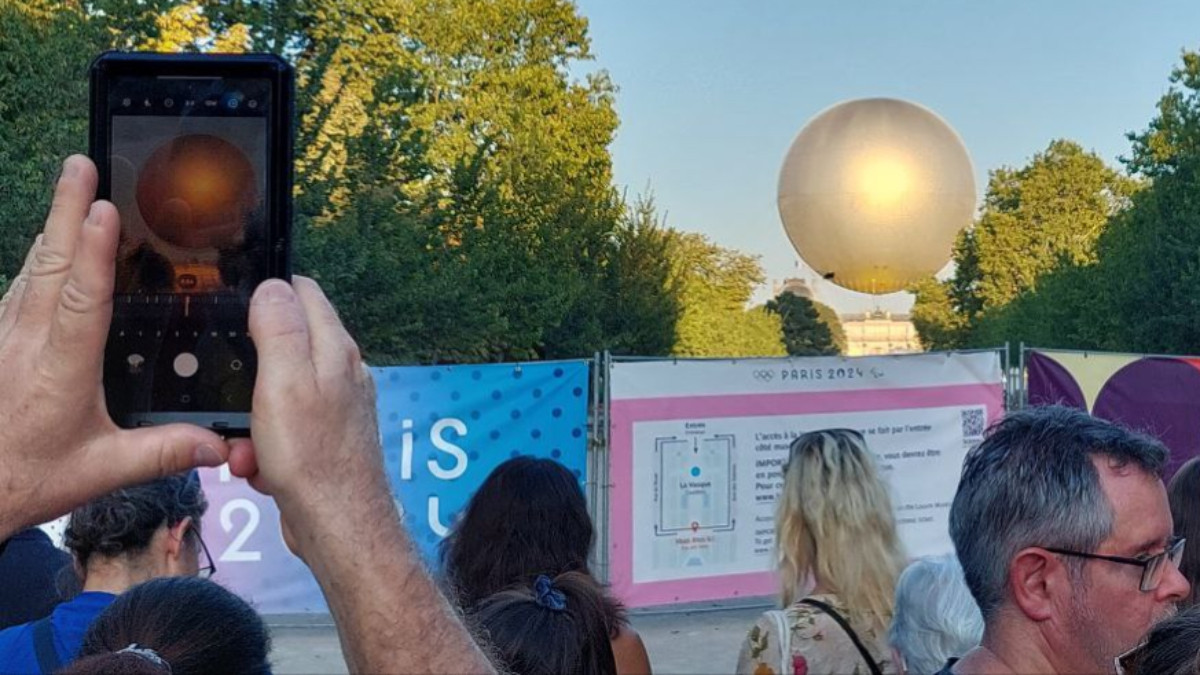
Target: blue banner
[444,429]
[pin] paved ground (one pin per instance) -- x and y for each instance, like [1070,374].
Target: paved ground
[682,641]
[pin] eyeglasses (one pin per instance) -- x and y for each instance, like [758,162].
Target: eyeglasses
[209,568]
[1129,663]
[1153,566]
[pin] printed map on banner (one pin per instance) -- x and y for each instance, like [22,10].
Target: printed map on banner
[699,449]
[708,517]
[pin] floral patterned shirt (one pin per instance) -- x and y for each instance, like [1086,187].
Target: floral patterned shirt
[819,646]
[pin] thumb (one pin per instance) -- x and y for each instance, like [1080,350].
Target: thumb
[130,457]
[279,328]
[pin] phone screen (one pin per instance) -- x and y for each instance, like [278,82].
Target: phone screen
[188,168]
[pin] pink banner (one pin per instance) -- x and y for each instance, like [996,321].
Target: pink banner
[694,477]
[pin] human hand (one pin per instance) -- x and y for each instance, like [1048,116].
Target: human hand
[58,446]
[314,442]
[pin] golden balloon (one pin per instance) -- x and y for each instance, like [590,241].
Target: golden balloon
[873,192]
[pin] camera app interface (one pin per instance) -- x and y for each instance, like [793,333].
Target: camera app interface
[189,176]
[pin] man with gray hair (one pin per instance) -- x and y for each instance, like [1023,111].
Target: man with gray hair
[1063,529]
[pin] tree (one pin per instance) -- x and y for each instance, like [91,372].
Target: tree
[804,332]
[1150,257]
[1034,220]
[444,137]
[715,285]
[940,323]
[45,48]
[1138,292]
[830,318]
[640,293]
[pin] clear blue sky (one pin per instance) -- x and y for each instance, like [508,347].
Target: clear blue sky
[712,92]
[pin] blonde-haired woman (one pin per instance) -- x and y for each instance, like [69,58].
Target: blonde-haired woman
[839,558]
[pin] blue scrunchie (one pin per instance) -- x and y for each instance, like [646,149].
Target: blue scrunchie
[547,595]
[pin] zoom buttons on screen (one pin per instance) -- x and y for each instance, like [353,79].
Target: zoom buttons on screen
[186,364]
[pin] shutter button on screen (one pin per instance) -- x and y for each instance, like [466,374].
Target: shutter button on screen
[186,364]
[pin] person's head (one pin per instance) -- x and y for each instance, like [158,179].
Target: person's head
[834,523]
[1184,497]
[936,617]
[550,627]
[139,533]
[1172,648]
[528,518]
[1048,488]
[193,626]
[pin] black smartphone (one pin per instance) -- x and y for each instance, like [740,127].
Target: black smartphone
[195,151]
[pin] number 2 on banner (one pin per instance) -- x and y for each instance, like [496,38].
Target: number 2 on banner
[235,553]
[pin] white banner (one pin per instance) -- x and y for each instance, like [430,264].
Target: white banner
[698,449]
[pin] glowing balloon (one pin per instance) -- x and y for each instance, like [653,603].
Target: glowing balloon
[873,192]
[197,191]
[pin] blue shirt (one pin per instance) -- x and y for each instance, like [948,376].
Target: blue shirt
[70,621]
[29,567]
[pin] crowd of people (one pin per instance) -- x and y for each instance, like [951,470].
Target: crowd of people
[1070,550]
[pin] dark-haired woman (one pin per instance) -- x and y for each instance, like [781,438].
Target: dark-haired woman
[176,626]
[529,519]
[116,541]
[1184,495]
[550,627]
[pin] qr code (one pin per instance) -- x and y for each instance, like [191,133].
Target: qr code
[973,424]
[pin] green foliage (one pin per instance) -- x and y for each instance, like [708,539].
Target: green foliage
[805,333]
[939,322]
[830,318]
[1135,290]
[45,49]
[1034,220]
[715,285]
[640,295]
[454,182]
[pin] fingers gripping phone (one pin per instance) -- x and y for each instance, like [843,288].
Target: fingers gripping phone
[195,151]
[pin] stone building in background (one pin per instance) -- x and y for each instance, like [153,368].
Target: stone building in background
[879,332]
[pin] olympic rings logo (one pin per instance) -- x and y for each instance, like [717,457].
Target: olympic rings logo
[764,375]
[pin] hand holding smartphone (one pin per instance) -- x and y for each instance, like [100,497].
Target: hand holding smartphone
[195,151]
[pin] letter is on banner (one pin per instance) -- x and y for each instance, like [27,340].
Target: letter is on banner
[235,553]
[435,521]
[406,450]
[460,457]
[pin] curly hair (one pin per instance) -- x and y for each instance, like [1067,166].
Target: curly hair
[125,521]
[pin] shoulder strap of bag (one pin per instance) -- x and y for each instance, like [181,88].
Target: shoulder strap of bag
[43,646]
[785,639]
[874,667]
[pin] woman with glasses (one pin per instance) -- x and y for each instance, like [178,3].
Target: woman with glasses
[117,541]
[839,558]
